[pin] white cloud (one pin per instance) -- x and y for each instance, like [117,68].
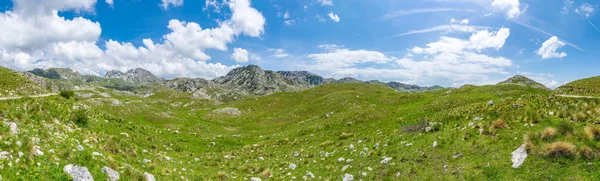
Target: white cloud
[549,47]
[286,15]
[326,2]
[173,3]
[484,39]
[568,5]
[448,61]
[464,21]
[334,17]
[278,53]
[290,22]
[320,18]
[585,10]
[416,11]
[214,4]
[35,36]
[446,29]
[340,58]
[240,55]
[305,8]
[109,2]
[512,8]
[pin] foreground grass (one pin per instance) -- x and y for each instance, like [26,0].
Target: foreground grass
[370,132]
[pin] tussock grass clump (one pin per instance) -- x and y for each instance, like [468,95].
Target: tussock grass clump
[499,124]
[344,136]
[588,152]
[80,117]
[222,175]
[592,133]
[529,146]
[548,133]
[580,117]
[561,149]
[267,173]
[326,143]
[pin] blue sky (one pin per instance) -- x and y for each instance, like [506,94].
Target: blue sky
[425,42]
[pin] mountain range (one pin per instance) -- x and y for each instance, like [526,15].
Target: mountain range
[242,81]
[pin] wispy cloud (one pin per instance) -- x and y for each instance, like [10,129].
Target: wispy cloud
[593,25]
[546,33]
[452,27]
[415,11]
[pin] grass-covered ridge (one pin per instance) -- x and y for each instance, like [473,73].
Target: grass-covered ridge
[13,84]
[371,132]
[581,87]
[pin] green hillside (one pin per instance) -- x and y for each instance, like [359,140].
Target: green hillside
[582,87]
[13,84]
[381,131]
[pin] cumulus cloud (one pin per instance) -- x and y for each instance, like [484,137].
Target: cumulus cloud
[165,4]
[585,10]
[549,47]
[448,61]
[326,2]
[334,17]
[240,55]
[109,2]
[512,8]
[35,36]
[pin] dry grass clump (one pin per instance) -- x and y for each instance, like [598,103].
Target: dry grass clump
[592,133]
[529,146]
[548,133]
[580,117]
[267,173]
[561,149]
[499,124]
[222,175]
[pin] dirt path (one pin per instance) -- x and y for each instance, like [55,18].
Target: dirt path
[32,96]
[576,96]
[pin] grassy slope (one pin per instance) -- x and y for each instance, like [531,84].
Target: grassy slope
[582,87]
[12,84]
[277,126]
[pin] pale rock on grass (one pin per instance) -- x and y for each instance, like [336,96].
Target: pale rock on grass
[385,160]
[80,148]
[345,168]
[149,177]
[292,166]
[518,156]
[78,173]
[348,177]
[110,173]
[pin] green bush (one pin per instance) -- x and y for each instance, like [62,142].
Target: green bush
[80,117]
[67,94]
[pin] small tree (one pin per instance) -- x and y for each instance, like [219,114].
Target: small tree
[67,94]
[80,117]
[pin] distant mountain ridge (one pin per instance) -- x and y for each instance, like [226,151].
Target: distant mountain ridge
[240,82]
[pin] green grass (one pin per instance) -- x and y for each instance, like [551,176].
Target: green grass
[582,87]
[13,84]
[311,129]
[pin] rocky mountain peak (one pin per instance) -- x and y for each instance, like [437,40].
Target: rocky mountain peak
[137,75]
[114,74]
[523,81]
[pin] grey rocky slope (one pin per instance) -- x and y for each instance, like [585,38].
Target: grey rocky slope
[523,81]
[137,75]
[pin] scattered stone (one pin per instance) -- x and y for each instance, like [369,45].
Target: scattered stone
[110,173]
[385,160]
[478,119]
[255,179]
[457,156]
[80,148]
[435,144]
[149,177]
[341,159]
[4,155]
[310,174]
[518,156]
[292,166]
[37,151]
[19,144]
[348,177]
[14,130]
[491,103]
[125,134]
[364,174]
[345,167]
[21,154]
[96,154]
[78,173]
